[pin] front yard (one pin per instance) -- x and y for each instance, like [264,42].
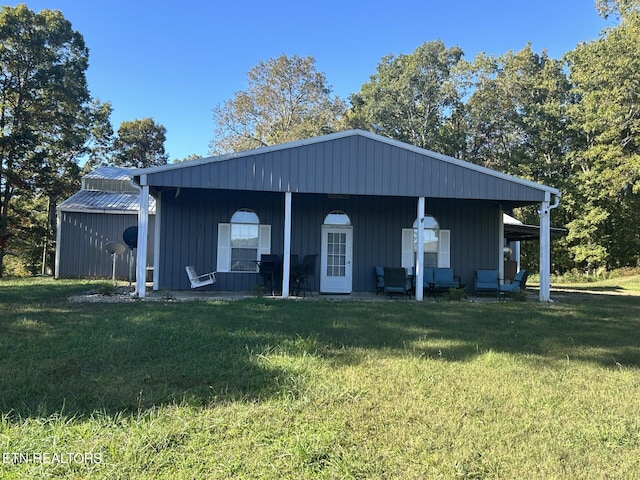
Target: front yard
[264,388]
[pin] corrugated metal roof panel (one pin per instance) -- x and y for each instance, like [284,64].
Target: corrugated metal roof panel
[105,202]
[109,179]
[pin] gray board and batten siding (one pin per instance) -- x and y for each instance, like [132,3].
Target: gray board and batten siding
[98,214]
[377,232]
[84,237]
[374,180]
[349,163]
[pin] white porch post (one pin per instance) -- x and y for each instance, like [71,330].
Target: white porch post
[501,246]
[419,273]
[545,249]
[58,237]
[143,233]
[286,261]
[156,246]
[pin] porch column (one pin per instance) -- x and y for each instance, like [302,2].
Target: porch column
[143,232]
[545,244]
[419,273]
[545,249]
[286,261]
[156,244]
[501,246]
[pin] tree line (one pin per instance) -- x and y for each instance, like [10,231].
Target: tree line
[571,123]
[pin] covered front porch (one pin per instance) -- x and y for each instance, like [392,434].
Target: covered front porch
[382,191]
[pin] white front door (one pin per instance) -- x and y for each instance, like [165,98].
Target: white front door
[335,262]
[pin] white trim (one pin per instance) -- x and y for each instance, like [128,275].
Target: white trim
[156,245]
[545,246]
[143,234]
[223,257]
[501,247]
[407,258]
[107,212]
[419,270]
[444,248]
[327,283]
[286,268]
[56,270]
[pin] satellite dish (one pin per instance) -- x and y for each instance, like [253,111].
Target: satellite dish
[130,237]
[115,248]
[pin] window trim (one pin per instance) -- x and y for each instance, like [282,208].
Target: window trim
[223,259]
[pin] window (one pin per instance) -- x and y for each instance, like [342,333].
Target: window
[430,237]
[241,242]
[336,256]
[436,244]
[337,218]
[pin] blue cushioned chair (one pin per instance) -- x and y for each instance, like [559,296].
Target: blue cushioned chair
[487,281]
[378,273]
[518,285]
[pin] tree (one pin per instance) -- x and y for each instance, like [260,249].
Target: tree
[604,230]
[414,98]
[43,101]
[286,99]
[516,123]
[140,144]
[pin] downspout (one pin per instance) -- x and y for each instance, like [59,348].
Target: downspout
[545,245]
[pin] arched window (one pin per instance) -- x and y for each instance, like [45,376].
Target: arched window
[337,217]
[430,236]
[245,234]
[242,241]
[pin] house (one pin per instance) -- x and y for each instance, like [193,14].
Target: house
[106,205]
[354,198]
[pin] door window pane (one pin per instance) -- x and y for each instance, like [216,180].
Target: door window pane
[336,254]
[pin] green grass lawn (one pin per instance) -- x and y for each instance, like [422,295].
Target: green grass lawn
[265,388]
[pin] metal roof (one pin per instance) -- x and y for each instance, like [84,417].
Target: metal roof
[351,162]
[516,231]
[92,201]
[109,179]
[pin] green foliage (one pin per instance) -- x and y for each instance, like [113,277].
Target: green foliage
[286,99]
[45,118]
[414,98]
[606,179]
[456,294]
[140,144]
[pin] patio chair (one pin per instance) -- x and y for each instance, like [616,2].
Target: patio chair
[518,284]
[269,269]
[199,280]
[396,282]
[378,274]
[305,274]
[487,281]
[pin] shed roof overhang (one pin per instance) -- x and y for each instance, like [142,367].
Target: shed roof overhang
[353,162]
[522,232]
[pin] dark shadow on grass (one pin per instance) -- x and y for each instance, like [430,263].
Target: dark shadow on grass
[57,356]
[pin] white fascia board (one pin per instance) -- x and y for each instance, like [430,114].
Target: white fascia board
[99,210]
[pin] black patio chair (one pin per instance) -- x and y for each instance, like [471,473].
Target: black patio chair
[269,268]
[396,282]
[304,277]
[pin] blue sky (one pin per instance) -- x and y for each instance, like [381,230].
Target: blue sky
[174,61]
